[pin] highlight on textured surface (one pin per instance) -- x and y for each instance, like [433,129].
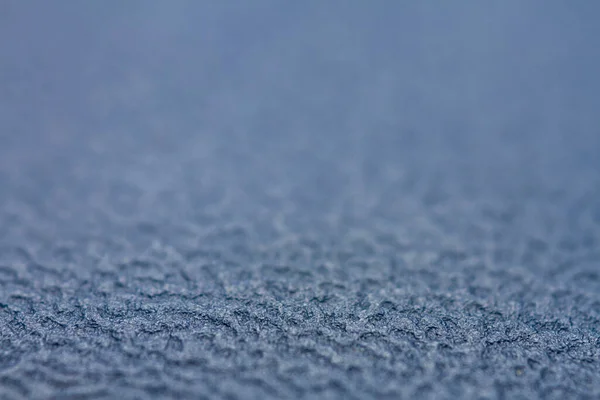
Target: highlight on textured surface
[312,200]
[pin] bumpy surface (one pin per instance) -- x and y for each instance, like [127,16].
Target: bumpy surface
[313,200]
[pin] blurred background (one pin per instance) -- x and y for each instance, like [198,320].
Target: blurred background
[304,113]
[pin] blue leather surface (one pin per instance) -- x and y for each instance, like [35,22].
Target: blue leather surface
[299,200]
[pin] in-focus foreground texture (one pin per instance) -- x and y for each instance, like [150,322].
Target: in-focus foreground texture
[316,199]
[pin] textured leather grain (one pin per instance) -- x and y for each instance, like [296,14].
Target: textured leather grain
[321,200]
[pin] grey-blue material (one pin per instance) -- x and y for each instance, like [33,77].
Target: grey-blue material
[312,199]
